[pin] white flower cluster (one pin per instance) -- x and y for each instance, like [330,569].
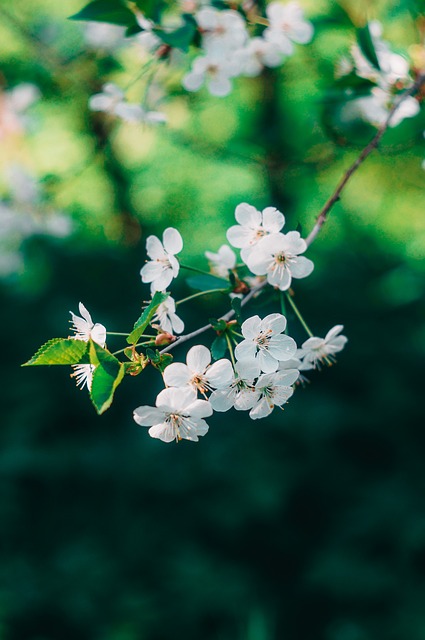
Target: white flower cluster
[14,105]
[266,363]
[229,51]
[112,100]
[84,329]
[265,249]
[23,215]
[392,76]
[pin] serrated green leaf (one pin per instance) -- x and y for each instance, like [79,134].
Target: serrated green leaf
[107,375]
[236,306]
[111,11]
[63,351]
[182,37]
[219,347]
[364,38]
[207,282]
[146,317]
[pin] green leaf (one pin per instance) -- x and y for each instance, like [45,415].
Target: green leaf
[205,283]
[219,347]
[60,351]
[107,375]
[236,306]
[146,317]
[364,38]
[181,37]
[218,325]
[111,11]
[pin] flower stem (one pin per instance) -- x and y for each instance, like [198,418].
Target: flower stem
[115,333]
[204,273]
[201,293]
[298,314]
[229,344]
[283,308]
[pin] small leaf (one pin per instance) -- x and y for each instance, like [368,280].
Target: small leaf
[364,38]
[60,351]
[236,306]
[182,37]
[218,325]
[146,317]
[111,11]
[107,375]
[219,347]
[206,282]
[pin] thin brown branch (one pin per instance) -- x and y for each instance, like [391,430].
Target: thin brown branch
[362,157]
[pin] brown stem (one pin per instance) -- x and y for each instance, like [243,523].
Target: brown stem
[362,157]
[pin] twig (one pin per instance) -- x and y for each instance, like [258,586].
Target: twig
[323,214]
[228,316]
[362,157]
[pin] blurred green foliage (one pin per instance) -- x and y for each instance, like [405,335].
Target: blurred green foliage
[309,524]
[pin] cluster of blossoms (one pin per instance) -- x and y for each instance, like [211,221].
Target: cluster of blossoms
[228,49]
[389,76]
[14,105]
[264,366]
[23,214]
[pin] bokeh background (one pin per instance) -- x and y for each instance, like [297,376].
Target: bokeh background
[307,525]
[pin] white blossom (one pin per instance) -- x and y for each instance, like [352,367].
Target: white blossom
[316,350]
[112,100]
[178,414]
[257,54]
[277,256]
[167,318]
[264,341]
[221,262]
[221,30]
[215,70]
[84,329]
[287,25]
[198,372]
[253,226]
[245,373]
[375,107]
[13,106]
[163,266]
[270,390]
[108,37]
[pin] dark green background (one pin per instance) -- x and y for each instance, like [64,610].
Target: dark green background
[307,525]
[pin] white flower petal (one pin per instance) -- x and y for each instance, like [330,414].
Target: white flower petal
[148,416]
[251,328]
[163,431]
[151,271]
[198,358]
[154,248]
[173,242]
[177,374]
[247,215]
[300,267]
[273,220]
[267,362]
[274,321]
[220,374]
[262,409]
[199,409]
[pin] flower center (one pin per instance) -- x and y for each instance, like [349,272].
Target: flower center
[263,339]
